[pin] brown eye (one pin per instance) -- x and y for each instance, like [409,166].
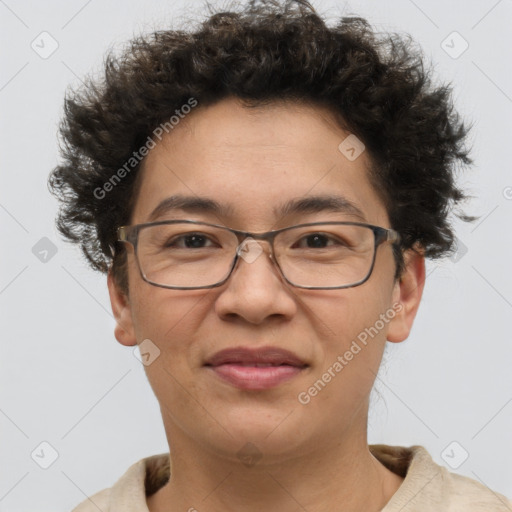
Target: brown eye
[188,241]
[318,241]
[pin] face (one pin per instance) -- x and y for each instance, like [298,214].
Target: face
[252,162]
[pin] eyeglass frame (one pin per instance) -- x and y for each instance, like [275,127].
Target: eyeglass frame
[130,234]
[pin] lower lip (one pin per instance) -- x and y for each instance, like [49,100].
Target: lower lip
[255,378]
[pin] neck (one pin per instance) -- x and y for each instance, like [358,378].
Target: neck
[337,476]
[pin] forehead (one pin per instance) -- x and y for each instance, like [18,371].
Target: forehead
[255,166]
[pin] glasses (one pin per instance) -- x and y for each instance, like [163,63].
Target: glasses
[187,254]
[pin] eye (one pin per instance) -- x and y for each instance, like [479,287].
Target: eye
[318,241]
[189,241]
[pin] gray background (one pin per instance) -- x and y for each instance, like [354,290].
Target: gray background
[64,380]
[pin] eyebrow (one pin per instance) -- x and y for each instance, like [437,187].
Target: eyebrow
[302,205]
[190,204]
[320,203]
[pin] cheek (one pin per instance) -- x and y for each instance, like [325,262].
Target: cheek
[171,320]
[343,317]
[165,323]
[158,312]
[356,325]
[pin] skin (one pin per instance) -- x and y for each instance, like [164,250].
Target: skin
[315,457]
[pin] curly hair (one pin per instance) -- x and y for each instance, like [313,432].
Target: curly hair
[375,85]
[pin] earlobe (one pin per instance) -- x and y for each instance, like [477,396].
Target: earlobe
[124,331]
[407,292]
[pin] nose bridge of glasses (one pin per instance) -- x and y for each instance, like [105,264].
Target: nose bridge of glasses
[251,245]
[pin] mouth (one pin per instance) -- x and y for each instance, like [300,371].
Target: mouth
[255,369]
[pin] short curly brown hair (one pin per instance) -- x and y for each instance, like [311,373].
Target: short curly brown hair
[260,52]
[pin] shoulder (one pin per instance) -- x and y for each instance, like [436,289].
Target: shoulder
[468,494]
[428,486]
[129,493]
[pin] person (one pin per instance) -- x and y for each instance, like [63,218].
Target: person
[262,193]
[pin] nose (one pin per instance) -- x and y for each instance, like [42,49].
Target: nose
[256,290]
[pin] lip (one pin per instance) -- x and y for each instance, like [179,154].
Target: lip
[255,369]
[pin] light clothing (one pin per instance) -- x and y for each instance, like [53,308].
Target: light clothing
[427,487]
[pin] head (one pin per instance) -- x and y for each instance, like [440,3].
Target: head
[251,112]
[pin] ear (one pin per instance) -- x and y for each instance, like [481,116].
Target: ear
[124,331]
[407,292]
